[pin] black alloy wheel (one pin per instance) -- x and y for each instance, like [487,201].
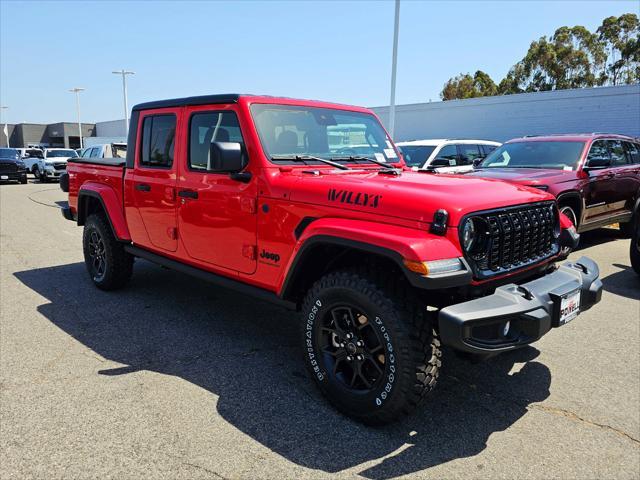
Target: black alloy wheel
[97,255]
[354,351]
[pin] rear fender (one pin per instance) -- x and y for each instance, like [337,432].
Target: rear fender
[111,204]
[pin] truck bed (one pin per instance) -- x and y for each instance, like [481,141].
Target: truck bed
[105,173]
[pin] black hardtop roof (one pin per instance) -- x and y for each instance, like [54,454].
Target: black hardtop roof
[186,101]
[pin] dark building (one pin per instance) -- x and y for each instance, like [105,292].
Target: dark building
[61,135]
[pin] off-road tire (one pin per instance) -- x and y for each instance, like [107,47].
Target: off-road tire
[23,180]
[412,364]
[118,264]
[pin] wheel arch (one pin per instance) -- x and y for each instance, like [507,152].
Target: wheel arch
[323,253]
[102,199]
[574,200]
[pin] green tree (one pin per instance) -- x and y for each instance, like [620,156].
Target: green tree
[466,86]
[573,57]
[621,39]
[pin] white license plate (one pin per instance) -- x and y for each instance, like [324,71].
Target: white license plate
[569,307]
[4,177]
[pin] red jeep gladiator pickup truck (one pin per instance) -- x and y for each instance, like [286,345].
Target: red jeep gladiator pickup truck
[270,196]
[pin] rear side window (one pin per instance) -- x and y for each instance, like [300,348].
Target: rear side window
[158,138]
[468,153]
[208,127]
[618,157]
[633,151]
[95,151]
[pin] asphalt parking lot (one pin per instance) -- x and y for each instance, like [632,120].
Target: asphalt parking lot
[174,378]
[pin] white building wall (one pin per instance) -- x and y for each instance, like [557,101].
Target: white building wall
[604,109]
[113,128]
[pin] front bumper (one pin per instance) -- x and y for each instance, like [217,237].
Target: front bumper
[532,309]
[13,176]
[52,173]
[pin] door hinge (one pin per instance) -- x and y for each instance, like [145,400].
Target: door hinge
[173,233]
[249,251]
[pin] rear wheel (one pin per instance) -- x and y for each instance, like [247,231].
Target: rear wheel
[109,266]
[372,353]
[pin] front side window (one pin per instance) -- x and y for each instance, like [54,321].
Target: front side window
[447,156]
[599,153]
[208,127]
[416,155]
[287,132]
[158,139]
[559,155]
[618,157]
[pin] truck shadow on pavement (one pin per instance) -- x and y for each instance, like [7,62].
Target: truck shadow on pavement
[246,352]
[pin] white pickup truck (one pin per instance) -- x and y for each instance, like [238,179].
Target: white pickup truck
[51,164]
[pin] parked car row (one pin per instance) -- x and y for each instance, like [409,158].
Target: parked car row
[47,164]
[595,177]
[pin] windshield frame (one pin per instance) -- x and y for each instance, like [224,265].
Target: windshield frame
[575,166]
[341,157]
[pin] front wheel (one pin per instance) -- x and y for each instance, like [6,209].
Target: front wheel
[569,212]
[109,266]
[373,354]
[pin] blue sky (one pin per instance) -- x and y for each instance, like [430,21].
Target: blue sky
[338,51]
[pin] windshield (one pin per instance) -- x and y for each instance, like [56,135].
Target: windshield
[11,153]
[287,131]
[61,153]
[561,155]
[416,155]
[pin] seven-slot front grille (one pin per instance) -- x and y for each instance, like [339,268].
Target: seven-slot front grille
[515,237]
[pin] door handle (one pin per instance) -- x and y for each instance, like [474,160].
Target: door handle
[188,194]
[143,187]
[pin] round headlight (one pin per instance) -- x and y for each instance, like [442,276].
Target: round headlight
[468,235]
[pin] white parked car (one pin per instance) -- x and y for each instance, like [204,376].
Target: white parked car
[105,150]
[52,164]
[445,155]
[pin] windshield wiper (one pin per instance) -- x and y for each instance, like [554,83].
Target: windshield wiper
[356,158]
[303,158]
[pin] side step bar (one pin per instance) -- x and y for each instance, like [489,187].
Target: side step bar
[219,280]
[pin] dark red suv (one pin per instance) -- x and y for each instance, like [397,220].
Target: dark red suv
[594,176]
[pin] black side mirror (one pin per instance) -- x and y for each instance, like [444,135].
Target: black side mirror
[226,157]
[597,164]
[477,161]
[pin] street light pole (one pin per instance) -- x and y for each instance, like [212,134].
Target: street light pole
[77,91]
[6,127]
[124,74]
[394,64]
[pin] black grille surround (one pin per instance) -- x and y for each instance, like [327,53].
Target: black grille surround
[60,166]
[512,238]
[8,167]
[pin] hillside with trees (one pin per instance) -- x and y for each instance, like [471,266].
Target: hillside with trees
[573,57]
